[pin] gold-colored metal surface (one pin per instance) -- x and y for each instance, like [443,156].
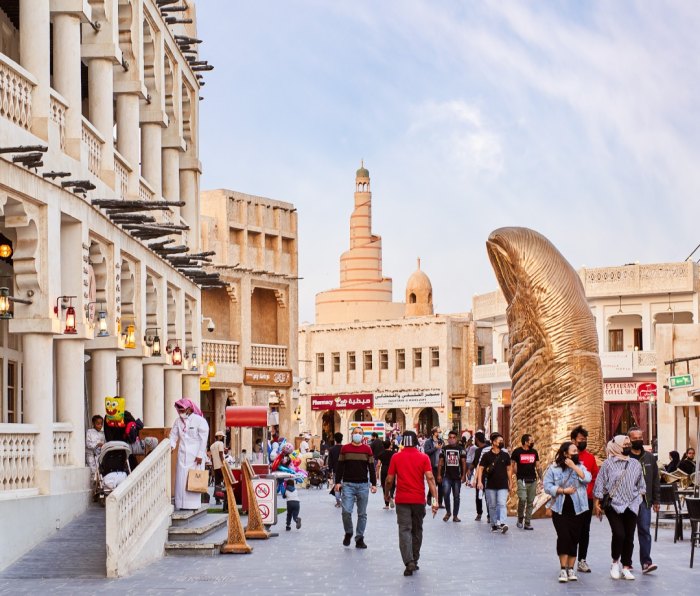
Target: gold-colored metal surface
[555,369]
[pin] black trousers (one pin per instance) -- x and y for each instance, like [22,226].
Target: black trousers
[585,531]
[439,489]
[293,508]
[410,521]
[568,527]
[393,487]
[479,502]
[623,526]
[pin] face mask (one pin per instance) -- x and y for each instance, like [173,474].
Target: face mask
[357,438]
[637,445]
[574,458]
[626,451]
[183,415]
[439,435]
[499,445]
[582,445]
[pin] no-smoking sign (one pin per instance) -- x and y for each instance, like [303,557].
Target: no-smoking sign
[265,495]
[262,491]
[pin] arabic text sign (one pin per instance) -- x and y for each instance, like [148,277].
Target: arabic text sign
[262,377]
[351,401]
[408,399]
[631,391]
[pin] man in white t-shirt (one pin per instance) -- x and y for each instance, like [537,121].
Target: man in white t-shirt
[304,445]
[217,449]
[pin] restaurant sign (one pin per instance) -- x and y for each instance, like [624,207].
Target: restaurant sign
[350,401]
[263,377]
[408,399]
[629,391]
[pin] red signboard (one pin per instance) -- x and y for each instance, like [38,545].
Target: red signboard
[351,401]
[646,391]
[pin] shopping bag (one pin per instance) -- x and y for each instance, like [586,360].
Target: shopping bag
[198,481]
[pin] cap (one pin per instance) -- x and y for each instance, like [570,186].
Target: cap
[219,433]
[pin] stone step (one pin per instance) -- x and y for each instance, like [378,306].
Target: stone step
[187,517]
[207,547]
[198,528]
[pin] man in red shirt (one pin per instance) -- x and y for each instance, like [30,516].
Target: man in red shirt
[580,436]
[410,468]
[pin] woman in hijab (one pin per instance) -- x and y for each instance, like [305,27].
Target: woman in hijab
[620,478]
[672,466]
[192,431]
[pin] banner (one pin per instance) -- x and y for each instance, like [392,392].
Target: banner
[631,391]
[409,399]
[351,401]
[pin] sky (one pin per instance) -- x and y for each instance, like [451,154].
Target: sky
[579,120]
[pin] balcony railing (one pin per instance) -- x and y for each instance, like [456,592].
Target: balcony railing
[16,86]
[58,117]
[61,443]
[268,355]
[92,147]
[620,365]
[146,193]
[659,278]
[17,456]
[122,169]
[486,374]
[220,351]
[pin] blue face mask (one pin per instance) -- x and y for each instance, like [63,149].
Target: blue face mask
[357,439]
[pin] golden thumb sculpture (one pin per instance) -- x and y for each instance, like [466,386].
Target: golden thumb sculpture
[555,371]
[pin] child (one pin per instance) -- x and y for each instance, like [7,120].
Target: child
[290,492]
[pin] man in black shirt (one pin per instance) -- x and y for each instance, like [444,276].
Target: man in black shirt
[333,455]
[452,471]
[480,444]
[494,474]
[377,446]
[525,460]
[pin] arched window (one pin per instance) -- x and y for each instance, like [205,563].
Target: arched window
[412,298]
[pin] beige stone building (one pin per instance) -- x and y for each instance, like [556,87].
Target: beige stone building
[369,358]
[253,344]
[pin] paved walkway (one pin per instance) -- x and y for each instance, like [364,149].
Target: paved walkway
[456,558]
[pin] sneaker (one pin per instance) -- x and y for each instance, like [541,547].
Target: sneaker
[615,571]
[407,572]
[288,528]
[391,503]
[571,574]
[478,517]
[528,527]
[583,566]
[410,568]
[346,540]
[495,529]
[649,567]
[563,576]
[386,507]
[456,519]
[520,524]
[360,543]
[503,528]
[298,523]
[627,573]
[447,517]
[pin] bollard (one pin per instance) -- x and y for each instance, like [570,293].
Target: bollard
[235,542]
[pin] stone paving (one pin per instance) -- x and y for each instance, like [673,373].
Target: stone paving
[460,558]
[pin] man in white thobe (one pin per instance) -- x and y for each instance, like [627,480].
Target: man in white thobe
[192,431]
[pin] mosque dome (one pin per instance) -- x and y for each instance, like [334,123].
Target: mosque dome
[419,294]
[363,172]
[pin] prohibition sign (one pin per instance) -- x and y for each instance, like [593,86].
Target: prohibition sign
[264,510]
[262,491]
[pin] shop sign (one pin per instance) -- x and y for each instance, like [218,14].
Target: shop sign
[628,391]
[204,384]
[376,426]
[616,365]
[408,399]
[350,401]
[263,377]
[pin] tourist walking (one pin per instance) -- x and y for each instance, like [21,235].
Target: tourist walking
[452,471]
[566,481]
[579,436]
[432,447]
[218,451]
[410,469]
[355,464]
[481,444]
[493,474]
[333,455]
[377,446]
[291,495]
[621,481]
[192,432]
[525,460]
[384,462]
[651,500]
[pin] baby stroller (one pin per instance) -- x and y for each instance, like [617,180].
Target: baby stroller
[317,474]
[112,469]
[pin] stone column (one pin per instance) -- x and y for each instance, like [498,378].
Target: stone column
[101,108]
[70,392]
[104,379]
[153,394]
[190,387]
[190,211]
[171,176]
[38,388]
[151,148]
[173,392]
[34,55]
[131,384]
[128,138]
[66,76]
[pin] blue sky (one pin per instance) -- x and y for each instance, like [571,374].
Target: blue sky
[579,120]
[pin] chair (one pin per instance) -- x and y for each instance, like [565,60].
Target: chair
[682,514]
[669,497]
[693,504]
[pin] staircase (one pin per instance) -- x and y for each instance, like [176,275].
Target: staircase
[196,533]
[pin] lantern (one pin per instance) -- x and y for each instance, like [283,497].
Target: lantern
[5,251]
[177,356]
[102,324]
[70,321]
[5,303]
[211,368]
[130,341]
[194,364]
[155,350]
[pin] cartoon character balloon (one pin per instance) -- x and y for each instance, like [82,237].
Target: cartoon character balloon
[115,407]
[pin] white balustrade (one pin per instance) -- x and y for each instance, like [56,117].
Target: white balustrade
[644,361]
[17,456]
[61,444]
[58,116]
[92,144]
[658,278]
[269,355]
[121,175]
[146,193]
[220,351]
[16,86]
[485,374]
[136,510]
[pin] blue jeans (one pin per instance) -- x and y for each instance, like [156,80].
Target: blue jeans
[644,533]
[451,485]
[355,492]
[496,502]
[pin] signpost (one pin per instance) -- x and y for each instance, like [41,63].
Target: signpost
[265,494]
[680,381]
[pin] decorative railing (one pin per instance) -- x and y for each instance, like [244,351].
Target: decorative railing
[137,509]
[644,361]
[485,374]
[268,355]
[121,176]
[16,86]
[220,351]
[61,443]
[58,117]
[92,143]
[146,193]
[17,456]
[658,278]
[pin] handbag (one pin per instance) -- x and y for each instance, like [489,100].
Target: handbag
[198,481]
[607,497]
